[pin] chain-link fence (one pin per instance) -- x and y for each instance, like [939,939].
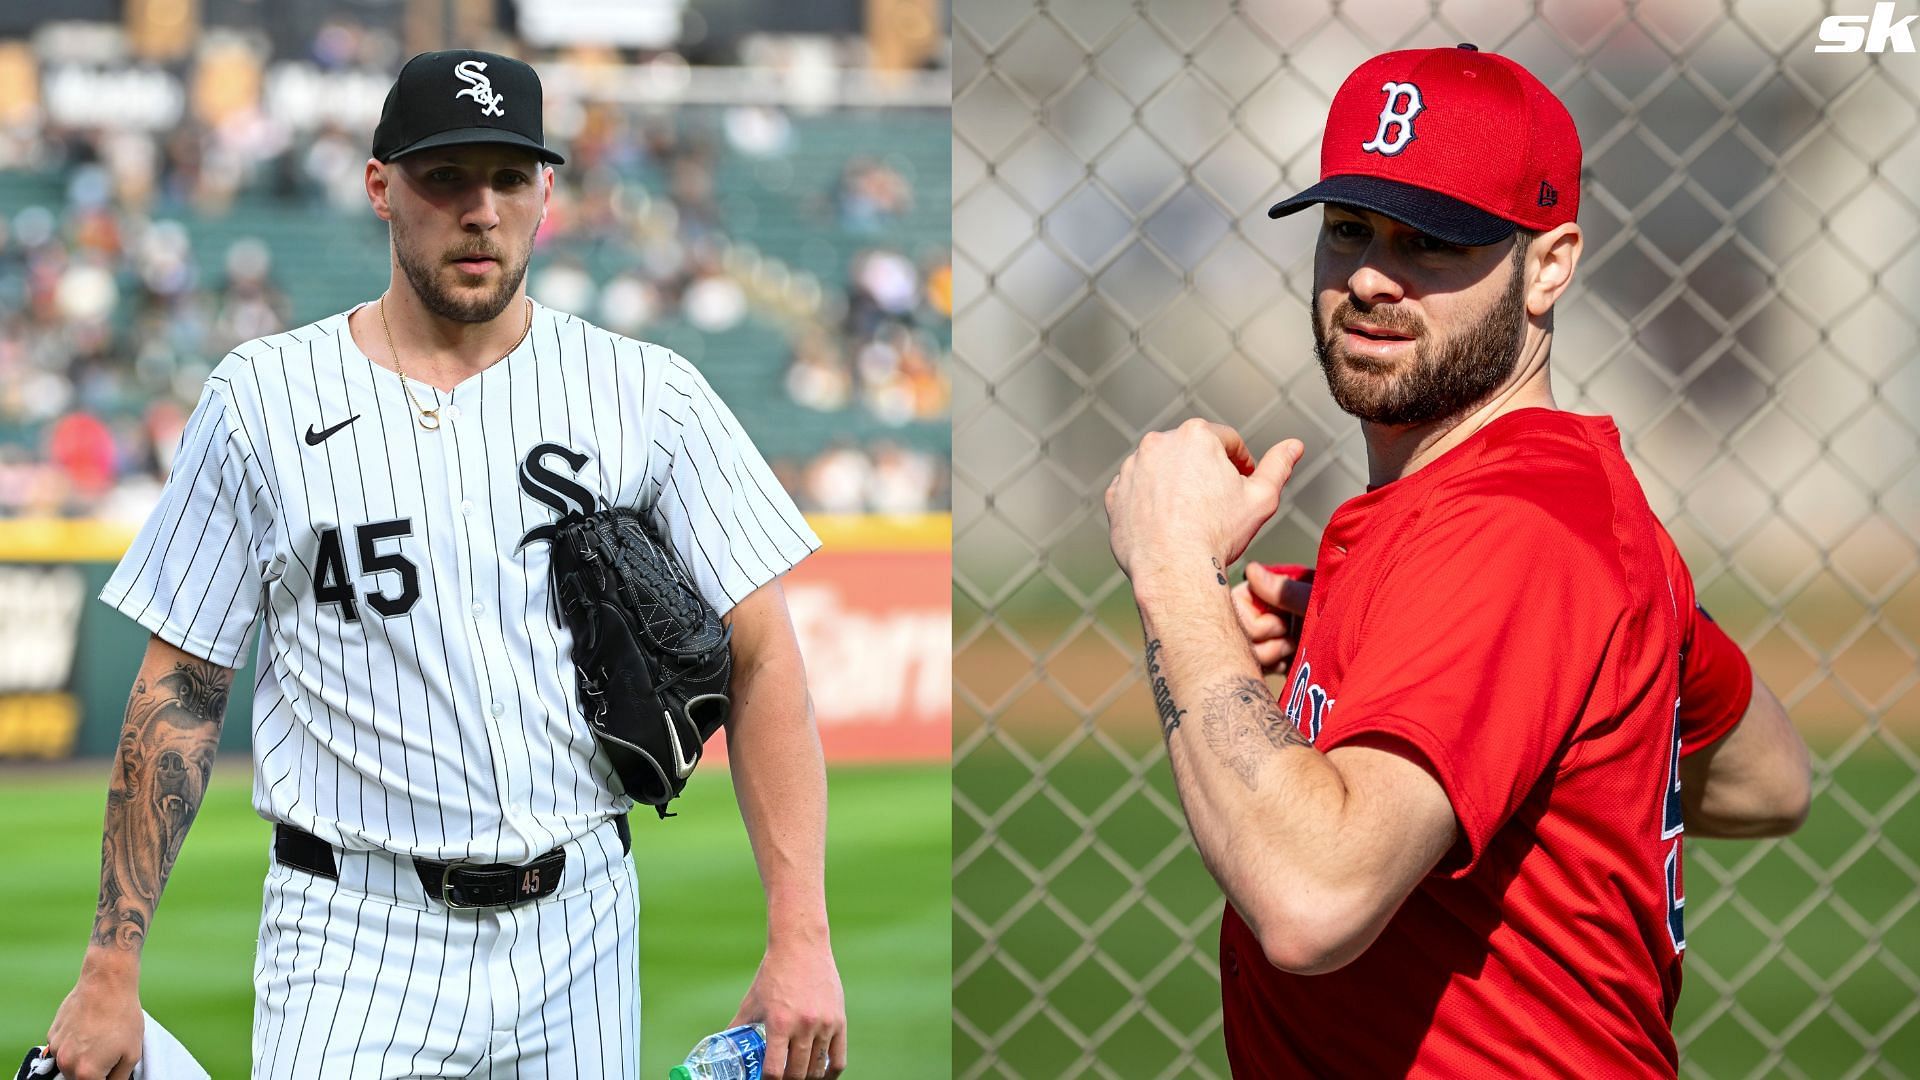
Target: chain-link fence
[1748,309]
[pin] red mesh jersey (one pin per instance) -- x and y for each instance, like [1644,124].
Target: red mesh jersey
[1513,618]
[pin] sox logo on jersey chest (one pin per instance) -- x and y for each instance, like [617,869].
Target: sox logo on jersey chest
[333,582]
[552,490]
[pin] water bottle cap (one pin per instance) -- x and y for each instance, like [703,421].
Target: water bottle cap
[679,1072]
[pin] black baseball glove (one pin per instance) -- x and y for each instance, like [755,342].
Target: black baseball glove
[652,657]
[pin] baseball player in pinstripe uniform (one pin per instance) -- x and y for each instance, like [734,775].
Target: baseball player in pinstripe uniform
[451,893]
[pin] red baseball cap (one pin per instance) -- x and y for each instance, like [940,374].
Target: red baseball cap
[1461,144]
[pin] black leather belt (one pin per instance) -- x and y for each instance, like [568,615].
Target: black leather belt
[458,885]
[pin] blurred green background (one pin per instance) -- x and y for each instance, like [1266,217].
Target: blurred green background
[1083,913]
[1762,954]
[701,932]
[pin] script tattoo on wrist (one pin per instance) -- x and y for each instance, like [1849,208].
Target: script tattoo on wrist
[1219,572]
[159,779]
[1243,723]
[1170,714]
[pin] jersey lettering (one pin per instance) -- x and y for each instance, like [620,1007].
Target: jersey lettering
[1303,671]
[1672,824]
[330,579]
[374,562]
[1676,903]
[330,584]
[1319,706]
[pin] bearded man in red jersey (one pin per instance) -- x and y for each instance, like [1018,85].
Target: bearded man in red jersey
[1451,847]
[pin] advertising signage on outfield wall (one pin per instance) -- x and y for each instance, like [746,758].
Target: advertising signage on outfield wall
[40,611]
[872,611]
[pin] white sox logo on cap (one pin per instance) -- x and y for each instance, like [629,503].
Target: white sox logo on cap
[479,88]
[1400,120]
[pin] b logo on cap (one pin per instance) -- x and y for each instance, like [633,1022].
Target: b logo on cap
[1399,121]
[479,87]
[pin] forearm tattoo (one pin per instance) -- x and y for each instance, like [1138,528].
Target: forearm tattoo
[1219,573]
[1243,723]
[1162,696]
[159,777]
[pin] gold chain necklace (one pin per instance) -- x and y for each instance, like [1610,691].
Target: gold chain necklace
[430,418]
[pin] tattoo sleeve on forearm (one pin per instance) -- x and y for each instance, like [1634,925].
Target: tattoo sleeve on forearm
[1170,714]
[1243,723]
[159,777]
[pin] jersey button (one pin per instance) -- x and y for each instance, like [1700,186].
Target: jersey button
[451,412]
[479,608]
[499,709]
[466,507]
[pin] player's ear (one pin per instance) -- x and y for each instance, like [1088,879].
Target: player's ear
[1550,264]
[377,184]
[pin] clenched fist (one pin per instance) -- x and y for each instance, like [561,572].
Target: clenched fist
[1193,493]
[96,1034]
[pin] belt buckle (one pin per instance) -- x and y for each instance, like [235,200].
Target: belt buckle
[446,894]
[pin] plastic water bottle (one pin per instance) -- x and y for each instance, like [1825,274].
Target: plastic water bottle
[734,1054]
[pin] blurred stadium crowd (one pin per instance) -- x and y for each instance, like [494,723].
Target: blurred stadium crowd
[801,258]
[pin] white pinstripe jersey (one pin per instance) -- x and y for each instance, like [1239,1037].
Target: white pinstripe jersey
[415,693]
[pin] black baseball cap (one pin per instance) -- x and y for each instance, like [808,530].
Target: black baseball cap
[460,96]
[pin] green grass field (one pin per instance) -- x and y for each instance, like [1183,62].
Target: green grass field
[1861,943]
[702,927]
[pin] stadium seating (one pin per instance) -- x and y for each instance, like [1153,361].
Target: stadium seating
[785,208]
